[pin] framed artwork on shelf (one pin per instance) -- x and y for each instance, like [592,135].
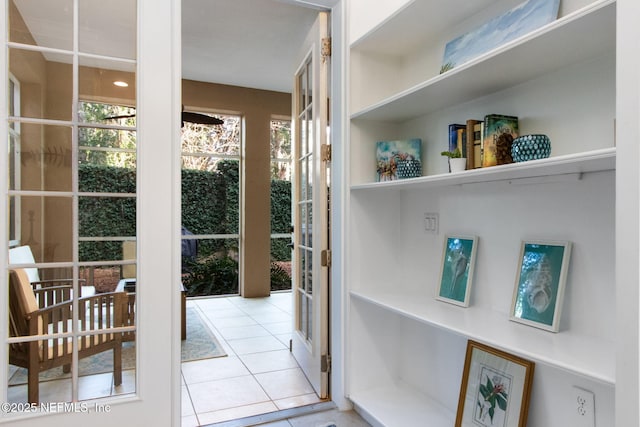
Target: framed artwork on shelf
[399,159]
[540,283]
[456,270]
[521,20]
[495,388]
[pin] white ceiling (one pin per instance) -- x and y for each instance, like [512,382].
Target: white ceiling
[249,43]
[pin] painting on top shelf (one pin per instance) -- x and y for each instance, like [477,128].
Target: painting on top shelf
[540,283]
[515,23]
[398,159]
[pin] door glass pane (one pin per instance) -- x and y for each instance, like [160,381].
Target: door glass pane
[46,84]
[55,231]
[100,79]
[108,28]
[309,284]
[46,23]
[43,162]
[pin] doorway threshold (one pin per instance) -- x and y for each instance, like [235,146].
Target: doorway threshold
[270,417]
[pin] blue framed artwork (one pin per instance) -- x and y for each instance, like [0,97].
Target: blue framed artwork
[517,22]
[540,283]
[456,272]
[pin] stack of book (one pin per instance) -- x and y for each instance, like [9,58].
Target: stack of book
[485,142]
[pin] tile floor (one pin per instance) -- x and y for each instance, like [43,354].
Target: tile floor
[258,376]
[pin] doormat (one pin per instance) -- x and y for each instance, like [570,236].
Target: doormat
[200,344]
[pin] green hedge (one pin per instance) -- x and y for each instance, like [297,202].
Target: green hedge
[210,202]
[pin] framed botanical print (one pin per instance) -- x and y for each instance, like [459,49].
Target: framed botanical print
[495,388]
[456,270]
[540,283]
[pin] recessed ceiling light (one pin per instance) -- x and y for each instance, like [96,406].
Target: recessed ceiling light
[120,83]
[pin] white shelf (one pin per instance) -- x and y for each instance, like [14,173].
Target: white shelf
[401,405]
[583,34]
[582,355]
[544,169]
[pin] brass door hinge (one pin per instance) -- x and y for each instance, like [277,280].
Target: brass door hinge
[325,363]
[325,51]
[325,258]
[325,152]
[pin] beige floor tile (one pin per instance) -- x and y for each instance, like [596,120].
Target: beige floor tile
[297,401]
[285,383]
[269,361]
[186,406]
[95,386]
[271,317]
[128,383]
[228,322]
[213,369]
[215,313]
[278,328]
[256,345]
[226,393]
[190,421]
[240,332]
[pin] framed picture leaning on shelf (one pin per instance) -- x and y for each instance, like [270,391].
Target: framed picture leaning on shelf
[495,388]
[456,271]
[540,283]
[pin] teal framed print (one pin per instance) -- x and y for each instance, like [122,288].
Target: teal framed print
[456,271]
[540,283]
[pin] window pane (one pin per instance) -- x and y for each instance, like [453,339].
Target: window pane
[214,269]
[105,278]
[46,84]
[97,80]
[107,147]
[43,160]
[46,226]
[211,140]
[46,23]
[107,217]
[96,112]
[280,139]
[280,264]
[108,28]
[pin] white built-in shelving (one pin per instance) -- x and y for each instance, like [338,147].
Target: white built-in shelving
[405,348]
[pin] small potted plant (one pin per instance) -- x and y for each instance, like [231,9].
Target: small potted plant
[457,163]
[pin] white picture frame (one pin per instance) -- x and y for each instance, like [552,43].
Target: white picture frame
[541,279]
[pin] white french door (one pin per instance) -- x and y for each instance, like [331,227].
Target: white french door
[311,253]
[153,41]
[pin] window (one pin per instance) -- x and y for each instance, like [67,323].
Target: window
[211,206]
[280,204]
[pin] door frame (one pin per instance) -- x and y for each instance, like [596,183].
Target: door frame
[159,30]
[157,397]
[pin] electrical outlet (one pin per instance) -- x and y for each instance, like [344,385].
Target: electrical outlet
[430,223]
[583,408]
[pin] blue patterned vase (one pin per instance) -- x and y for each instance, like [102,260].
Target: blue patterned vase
[409,169]
[530,147]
